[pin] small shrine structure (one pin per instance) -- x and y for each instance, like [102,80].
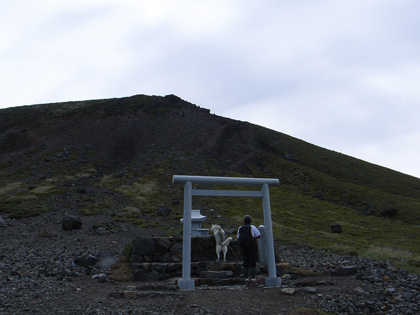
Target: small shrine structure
[197,220]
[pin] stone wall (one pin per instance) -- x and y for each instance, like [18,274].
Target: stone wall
[157,259]
[169,250]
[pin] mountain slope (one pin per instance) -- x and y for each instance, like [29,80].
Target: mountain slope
[116,157]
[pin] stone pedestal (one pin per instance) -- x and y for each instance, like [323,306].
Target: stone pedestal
[272,282]
[186,285]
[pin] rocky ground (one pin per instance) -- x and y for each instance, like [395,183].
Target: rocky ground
[38,276]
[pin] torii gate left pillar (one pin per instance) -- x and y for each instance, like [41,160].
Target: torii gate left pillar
[186,283]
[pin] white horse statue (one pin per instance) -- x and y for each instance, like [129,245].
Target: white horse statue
[222,242]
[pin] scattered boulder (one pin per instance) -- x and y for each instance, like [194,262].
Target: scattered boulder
[101,277]
[106,260]
[308,289]
[71,222]
[368,210]
[344,271]
[408,296]
[336,228]
[164,211]
[279,270]
[142,249]
[81,190]
[2,222]
[100,261]
[87,260]
[44,233]
[288,291]
[319,194]
[389,213]
[288,156]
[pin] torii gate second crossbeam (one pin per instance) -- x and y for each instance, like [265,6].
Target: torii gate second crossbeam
[186,283]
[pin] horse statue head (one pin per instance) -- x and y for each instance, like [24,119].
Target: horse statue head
[215,228]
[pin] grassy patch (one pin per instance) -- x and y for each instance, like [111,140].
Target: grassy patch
[18,207]
[128,214]
[43,189]
[145,194]
[96,208]
[16,202]
[141,219]
[84,173]
[138,189]
[342,249]
[74,175]
[388,253]
[108,181]
[121,272]
[396,255]
[13,188]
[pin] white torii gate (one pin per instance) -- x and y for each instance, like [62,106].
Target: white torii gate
[186,283]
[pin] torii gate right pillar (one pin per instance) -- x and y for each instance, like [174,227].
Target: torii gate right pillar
[272,280]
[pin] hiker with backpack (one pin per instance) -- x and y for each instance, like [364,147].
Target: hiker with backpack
[247,235]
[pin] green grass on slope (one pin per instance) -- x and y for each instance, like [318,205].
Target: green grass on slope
[306,220]
[309,181]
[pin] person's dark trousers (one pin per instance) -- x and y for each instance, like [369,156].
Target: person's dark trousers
[250,260]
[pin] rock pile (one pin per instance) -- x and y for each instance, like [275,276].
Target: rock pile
[383,288]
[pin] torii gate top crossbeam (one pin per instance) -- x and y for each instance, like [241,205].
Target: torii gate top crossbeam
[182,179]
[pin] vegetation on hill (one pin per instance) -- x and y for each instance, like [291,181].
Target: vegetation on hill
[115,158]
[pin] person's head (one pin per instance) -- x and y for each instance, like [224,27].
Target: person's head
[247,219]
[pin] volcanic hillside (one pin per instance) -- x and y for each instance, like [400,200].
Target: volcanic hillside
[116,157]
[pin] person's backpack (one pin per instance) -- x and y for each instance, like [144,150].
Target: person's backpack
[245,236]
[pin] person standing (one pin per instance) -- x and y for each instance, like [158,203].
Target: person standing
[247,235]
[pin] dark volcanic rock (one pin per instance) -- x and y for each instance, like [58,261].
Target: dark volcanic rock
[87,260]
[71,222]
[2,222]
[164,211]
[142,246]
[336,228]
[389,213]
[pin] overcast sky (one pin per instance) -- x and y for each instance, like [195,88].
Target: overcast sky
[343,75]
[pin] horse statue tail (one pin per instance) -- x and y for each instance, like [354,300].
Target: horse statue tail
[226,242]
